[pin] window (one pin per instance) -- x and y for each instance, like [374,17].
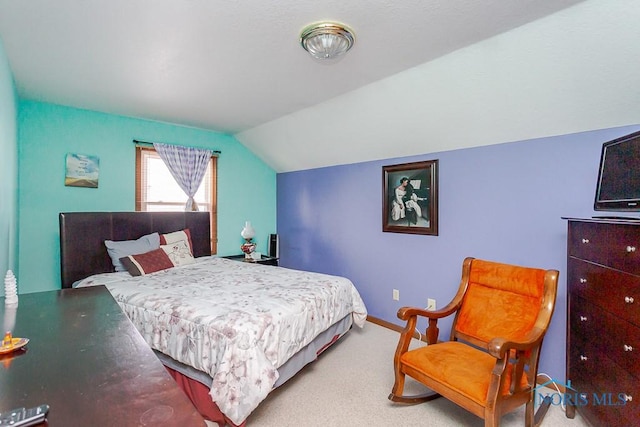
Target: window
[157,190]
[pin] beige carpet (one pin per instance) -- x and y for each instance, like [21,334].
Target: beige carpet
[349,384]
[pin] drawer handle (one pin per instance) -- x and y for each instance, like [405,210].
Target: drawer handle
[583,358]
[585,240]
[583,280]
[628,348]
[628,300]
[583,318]
[628,397]
[631,249]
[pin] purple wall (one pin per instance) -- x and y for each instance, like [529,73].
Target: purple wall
[502,202]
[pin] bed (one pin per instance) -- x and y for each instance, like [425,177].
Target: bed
[229,332]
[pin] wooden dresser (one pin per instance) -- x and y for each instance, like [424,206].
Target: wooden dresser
[87,361]
[603,321]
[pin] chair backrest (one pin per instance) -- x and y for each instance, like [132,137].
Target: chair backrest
[501,300]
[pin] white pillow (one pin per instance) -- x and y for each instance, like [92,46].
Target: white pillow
[179,253]
[123,248]
[168,238]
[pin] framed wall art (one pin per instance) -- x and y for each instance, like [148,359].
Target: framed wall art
[82,171]
[410,198]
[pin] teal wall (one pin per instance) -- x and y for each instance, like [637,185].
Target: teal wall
[8,171]
[47,132]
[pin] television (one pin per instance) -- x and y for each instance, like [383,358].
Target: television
[618,186]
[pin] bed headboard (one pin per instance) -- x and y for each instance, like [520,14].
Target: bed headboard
[82,236]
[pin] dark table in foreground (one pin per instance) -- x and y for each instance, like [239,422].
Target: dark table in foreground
[86,360]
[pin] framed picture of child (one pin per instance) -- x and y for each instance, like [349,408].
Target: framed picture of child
[410,198]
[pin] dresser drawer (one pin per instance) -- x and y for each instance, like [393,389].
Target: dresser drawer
[613,245]
[603,321]
[616,292]
[594,328]
[606,391]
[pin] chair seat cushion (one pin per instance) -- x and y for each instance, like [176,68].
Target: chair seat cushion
[457,366]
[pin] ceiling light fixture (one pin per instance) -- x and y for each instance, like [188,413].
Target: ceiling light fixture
[327,41]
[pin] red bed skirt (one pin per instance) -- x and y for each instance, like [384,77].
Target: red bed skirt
[198,393]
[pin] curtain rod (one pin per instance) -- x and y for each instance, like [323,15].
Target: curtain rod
[150,144]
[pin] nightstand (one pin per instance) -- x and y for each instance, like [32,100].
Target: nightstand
[266,260]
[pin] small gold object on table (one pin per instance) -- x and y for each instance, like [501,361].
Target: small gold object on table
[6,342]
[11,344]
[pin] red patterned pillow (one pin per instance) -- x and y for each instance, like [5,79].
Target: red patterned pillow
[148,262]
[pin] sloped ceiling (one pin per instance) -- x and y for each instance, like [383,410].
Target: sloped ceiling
[574,71]
[423,76]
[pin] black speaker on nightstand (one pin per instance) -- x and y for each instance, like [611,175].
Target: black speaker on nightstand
[274,247]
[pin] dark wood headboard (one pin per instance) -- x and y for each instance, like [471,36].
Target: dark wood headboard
[82,236]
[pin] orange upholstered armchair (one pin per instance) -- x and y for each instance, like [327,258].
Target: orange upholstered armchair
[490,364]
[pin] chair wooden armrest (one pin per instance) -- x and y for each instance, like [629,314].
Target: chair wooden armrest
[405,312]
[411,314]
[499,347]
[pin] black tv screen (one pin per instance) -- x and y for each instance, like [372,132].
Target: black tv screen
[618,187]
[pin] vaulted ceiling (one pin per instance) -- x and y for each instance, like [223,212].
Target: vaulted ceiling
[237,67]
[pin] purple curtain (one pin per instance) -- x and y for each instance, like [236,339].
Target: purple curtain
[188,166]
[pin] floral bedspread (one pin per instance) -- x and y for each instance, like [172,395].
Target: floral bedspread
[236,321]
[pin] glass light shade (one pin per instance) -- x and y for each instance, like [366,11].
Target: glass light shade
[327,40]
[248,232]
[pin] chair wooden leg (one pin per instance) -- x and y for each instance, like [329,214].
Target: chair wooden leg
[541,412]
[398,386]
[528,414]
[492,419]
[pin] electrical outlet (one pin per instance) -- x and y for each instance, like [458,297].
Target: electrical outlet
[431,304]
[396,295]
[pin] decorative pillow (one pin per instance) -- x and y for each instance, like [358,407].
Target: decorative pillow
[141,264]
[123,248]
[176,236]
[179,253]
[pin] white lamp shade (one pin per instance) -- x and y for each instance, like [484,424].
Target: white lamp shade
[248,232]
